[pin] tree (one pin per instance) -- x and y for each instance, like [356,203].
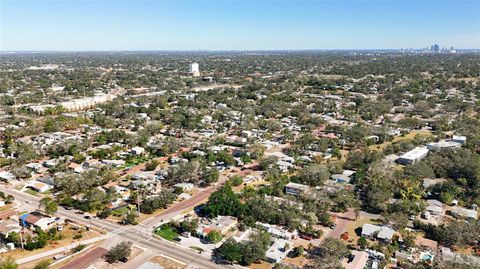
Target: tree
[297,251]
[152,165]
[236,180]
[131,217]
[230,251]
[119,252]
[223,202]
[362,242]
[214,237]
[48,205]
[8,263]
[329,254]
[314,174]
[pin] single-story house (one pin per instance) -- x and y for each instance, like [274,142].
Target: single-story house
[185,186]
[382,233]
[435,207]
[278,250]
[461,212]
[7,176]
[36,219]
[295,188]
[357,260]
[38,186]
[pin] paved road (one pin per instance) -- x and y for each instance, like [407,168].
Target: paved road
[139,234]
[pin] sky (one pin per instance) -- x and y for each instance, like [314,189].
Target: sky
[73,25]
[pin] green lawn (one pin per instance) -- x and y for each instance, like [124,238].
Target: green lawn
[32,192]
[166,233]
[120,211]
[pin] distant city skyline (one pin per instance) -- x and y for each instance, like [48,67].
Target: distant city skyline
[87,25]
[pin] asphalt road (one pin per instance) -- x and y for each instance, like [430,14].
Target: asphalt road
[140,234]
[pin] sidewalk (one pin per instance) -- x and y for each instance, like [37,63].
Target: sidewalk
[59,250]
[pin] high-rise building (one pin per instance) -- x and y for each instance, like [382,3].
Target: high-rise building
[194,70]
[436,48]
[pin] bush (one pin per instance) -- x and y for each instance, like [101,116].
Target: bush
[236,181]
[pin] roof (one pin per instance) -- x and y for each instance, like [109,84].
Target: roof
[31,218]
[383,232]
[340,177]
[277,250]
[415,153]
[358,262]
[464,212]
[424,242]
[298,186]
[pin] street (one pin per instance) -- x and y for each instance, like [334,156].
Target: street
[140,234]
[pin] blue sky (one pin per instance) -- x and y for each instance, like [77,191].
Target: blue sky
[236,25]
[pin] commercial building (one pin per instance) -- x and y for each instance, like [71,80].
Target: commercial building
[194,70]
[413,155]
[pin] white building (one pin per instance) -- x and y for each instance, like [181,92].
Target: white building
[278,250]
[413,155]
[194,70]
[295,188]
[443,145]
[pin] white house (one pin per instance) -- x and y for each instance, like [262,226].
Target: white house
[295,188]
[380,232]
[278,250]
[6,176]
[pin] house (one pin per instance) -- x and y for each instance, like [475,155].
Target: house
[459,139]
[382,233]
[426,243]
[295,188]
[444,144]
[461,212]
[34,166]
[468,261]
[9,225]
[137,151]
[278,250]
[435,207]
[413,155]
[36,219]
[113,163]
[340,178]
[184,186]
[356,260]
[283,165]
[38,186]
[6,176]
[277,232]
[222,224]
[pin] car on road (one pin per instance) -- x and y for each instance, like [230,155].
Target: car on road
[333,226]
[28,201]
[88,217]
[178,239]
[306,237]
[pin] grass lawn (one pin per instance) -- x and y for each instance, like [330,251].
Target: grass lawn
[166,233]
[32,192]
[120,211]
